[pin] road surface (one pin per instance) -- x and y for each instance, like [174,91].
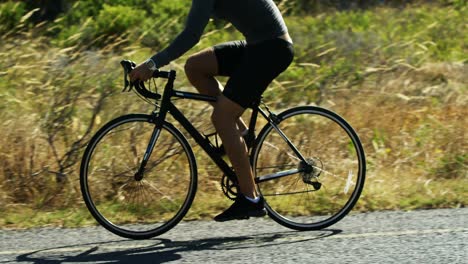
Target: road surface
[428,236]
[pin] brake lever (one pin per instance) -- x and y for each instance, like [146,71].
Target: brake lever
[127,70]
[126,82]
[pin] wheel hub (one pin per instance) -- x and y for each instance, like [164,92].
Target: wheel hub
[139,175]
[311,171]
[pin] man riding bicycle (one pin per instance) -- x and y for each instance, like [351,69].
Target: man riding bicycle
[251,64]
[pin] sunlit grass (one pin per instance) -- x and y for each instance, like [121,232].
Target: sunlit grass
[399,77]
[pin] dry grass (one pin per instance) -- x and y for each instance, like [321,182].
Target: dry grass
[411,120]
[414,132]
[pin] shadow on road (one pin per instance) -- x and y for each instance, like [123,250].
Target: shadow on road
[163,250]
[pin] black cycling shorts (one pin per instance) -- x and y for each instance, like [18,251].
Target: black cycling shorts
[251,68]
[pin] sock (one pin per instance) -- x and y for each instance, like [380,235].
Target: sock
[253,200]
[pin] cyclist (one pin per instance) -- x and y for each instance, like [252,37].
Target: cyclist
[251,64]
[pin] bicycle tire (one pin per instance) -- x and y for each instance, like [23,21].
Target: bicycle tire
[331,145]
[130,208]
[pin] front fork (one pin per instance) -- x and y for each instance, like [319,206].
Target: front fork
[154,138]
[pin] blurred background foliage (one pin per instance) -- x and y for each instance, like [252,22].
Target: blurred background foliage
[396,70]
[83,21]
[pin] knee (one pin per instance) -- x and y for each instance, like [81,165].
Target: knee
[190,66]
[201,64]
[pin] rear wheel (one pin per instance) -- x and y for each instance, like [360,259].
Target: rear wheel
[327,186]
[121,201]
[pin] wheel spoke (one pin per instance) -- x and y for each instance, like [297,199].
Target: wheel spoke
[293,157]
[327,186]
[138,207]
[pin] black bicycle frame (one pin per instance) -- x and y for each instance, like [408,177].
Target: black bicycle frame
[203,141]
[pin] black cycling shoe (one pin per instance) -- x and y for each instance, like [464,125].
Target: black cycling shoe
[249,141]
[242,208]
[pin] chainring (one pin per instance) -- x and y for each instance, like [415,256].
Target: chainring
[230,188]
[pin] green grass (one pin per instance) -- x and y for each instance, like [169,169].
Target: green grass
[398,76]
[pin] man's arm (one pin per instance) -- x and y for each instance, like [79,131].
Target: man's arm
[198,18]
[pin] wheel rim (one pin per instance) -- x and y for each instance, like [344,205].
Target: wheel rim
[322,196]
[126,204]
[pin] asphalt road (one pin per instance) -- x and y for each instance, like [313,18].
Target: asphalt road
[432,236]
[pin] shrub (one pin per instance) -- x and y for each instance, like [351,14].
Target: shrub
[110,23]
[10,15]
[115,20]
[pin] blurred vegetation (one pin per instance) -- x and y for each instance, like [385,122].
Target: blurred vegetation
[396,70]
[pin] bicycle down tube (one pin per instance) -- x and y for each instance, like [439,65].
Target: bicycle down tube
[168,106]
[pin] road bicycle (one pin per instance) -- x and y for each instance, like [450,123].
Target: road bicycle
[138,174]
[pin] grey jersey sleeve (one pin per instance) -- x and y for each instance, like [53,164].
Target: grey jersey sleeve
[197,19]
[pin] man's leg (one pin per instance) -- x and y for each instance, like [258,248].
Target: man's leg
[200,69]
[224,118]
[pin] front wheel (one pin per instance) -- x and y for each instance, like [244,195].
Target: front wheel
[316,193]
[138,205]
